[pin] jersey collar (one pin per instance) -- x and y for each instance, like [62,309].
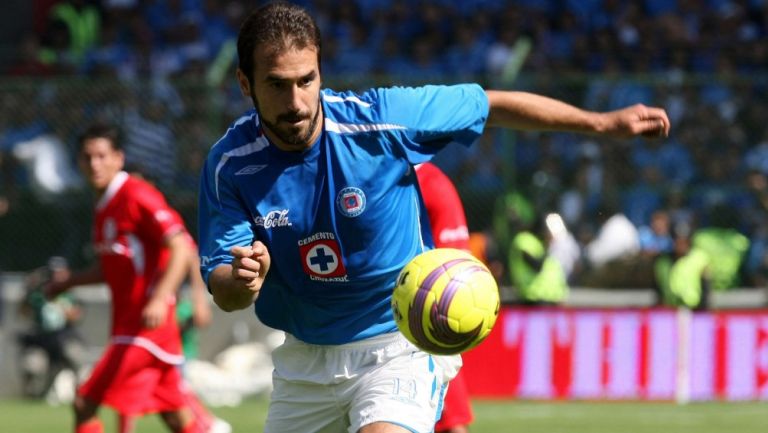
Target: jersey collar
[112,189]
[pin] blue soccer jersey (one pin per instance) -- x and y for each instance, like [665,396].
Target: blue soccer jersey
[340,219]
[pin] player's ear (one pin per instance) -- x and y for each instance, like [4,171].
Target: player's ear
[245,85]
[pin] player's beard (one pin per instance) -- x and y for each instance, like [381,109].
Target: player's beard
[295,138]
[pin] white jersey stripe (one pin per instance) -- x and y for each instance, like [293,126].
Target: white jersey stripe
[150,346]
[237,123]
[353,128]
[114,186]
[335,99]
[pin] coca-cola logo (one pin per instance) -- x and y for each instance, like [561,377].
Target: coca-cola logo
[275,218]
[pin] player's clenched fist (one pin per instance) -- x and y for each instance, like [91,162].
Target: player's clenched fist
[638,119]
[236,285]
[250,264]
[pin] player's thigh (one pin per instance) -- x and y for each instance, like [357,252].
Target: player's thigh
[304,408]
[405,394]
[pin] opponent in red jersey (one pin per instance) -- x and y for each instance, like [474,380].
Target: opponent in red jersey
[449,230]
[143,257]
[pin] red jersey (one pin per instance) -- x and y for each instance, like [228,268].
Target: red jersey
[131,224]
[446,214]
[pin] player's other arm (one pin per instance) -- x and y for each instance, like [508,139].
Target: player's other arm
[201,311]
[90,275]
[168,284]
[528,111]
[236,286]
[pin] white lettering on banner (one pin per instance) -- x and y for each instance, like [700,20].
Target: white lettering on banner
[740,360]
[536,381]
[702,383]
[588,345]
[275,218]
[662,355]
[622,354]
[622,357]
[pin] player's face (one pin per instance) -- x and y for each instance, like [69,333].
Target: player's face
[100,162]
[286,93]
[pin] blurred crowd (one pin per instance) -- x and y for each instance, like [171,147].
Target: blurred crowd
[164,69]
[134,38]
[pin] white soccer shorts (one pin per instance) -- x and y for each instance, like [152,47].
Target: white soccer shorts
[333,389]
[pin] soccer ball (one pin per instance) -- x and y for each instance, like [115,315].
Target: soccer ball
[445,301]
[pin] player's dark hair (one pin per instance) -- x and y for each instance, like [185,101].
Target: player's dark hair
[101,130]
[277,25]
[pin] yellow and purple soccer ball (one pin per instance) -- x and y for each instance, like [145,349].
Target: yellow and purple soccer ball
[445,301]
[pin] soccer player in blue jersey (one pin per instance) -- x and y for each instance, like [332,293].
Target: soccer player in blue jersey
[309,207]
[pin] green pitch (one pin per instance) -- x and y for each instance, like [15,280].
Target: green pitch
[18,416]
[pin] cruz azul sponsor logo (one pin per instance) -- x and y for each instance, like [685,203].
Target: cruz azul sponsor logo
[351,201]
[275,218]
[321,258]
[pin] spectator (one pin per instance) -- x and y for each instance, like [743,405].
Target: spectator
[690,279]
[83,24]
[537,275]
[725,247]
[656,237]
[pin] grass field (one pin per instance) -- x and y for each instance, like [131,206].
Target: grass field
[18,416]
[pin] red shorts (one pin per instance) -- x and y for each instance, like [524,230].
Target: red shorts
[133,381]
[456,408]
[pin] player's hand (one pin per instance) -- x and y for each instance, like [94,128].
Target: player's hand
[154,313]
[651,122]
[250,265]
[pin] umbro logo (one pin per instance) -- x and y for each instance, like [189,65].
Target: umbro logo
[250,169]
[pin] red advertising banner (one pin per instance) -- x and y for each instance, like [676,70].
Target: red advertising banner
[646,354]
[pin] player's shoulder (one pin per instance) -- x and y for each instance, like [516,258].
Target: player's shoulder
[240,132]
[349,106]
[140,187]
[137,183]
[134,186]
[370,106]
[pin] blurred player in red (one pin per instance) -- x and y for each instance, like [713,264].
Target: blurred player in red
[192,312]
[144,256]
[449,230]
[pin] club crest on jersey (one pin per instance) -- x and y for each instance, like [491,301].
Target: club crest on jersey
[321,258]
[351,201]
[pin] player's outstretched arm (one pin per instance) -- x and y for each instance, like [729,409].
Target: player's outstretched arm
[236,286]
[528,111]
[91,275]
